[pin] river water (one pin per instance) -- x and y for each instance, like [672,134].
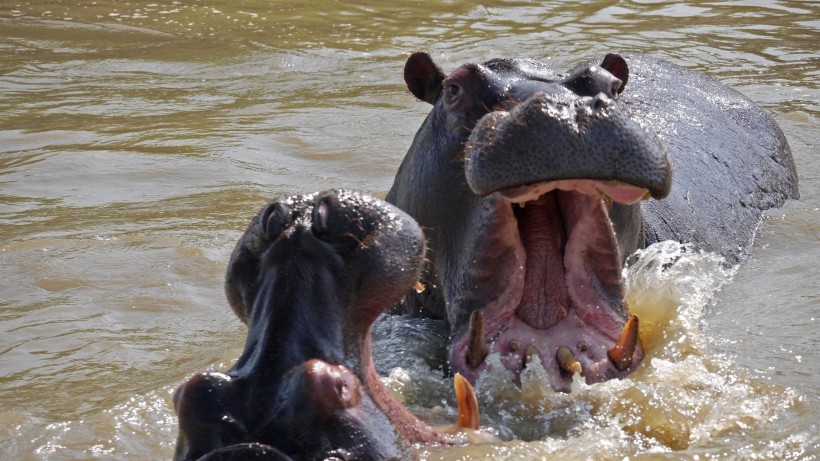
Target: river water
[137,138]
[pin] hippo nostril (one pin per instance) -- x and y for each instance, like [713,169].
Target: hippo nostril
[321,214]
[600,101]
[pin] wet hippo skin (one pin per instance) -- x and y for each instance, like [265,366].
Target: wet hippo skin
[309,277]
[533,188]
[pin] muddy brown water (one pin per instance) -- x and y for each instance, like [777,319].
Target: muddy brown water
[136,140]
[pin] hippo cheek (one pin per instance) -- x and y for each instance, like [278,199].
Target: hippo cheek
[319,411]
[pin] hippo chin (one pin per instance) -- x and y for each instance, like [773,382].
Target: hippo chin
[530,188]
[309,277]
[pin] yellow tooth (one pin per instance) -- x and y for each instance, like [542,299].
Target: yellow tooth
[530,354]
[621,354]
[567,361]
[467,403]
[419,287]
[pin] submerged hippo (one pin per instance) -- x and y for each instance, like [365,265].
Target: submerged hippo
[309,277]
[529,186]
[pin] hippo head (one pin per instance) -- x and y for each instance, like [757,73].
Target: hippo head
[309,277]
[527,186]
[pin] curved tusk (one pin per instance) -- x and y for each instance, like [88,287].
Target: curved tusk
[621,354]
[467,403]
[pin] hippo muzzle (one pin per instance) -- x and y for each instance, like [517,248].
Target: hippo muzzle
[309,277]
[576,143]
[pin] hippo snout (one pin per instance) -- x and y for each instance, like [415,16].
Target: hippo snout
[552,137]
[308,277]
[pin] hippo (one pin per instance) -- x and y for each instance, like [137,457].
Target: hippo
[308,277]
[534,188]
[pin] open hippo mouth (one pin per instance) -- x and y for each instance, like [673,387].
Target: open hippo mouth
[552,167]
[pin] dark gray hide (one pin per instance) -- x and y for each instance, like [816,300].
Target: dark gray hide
[308,277]
[547,277]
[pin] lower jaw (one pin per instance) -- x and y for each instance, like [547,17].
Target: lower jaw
[517,344]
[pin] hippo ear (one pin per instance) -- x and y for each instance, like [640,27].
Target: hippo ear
[615,64]
[423,77]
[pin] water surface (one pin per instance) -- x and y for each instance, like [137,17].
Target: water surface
[138,138]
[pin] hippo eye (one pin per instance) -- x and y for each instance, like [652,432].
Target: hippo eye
[451,92]
[275,219]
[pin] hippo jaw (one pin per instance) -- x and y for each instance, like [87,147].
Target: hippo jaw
[542,280]
[561,291]
[554,164]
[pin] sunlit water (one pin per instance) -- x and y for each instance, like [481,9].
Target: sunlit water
[138,138]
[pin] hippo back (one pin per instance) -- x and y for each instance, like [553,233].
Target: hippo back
[730,160]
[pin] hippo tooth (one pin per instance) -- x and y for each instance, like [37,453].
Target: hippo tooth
[419,287]
[621,353]
[530,354]
[467,403]
[567,362]
[477,345]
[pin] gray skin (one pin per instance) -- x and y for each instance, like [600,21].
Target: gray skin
[309,277]
[579,151]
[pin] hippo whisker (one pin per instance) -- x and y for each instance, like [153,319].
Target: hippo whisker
[361,243]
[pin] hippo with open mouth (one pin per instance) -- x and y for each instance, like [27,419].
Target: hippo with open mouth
[533,189]
[309,277]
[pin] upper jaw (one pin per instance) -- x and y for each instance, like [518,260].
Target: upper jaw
[549,138]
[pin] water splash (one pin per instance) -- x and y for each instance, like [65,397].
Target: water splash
[683,401]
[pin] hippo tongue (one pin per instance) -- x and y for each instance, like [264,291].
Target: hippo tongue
[545,300]
[572,262]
